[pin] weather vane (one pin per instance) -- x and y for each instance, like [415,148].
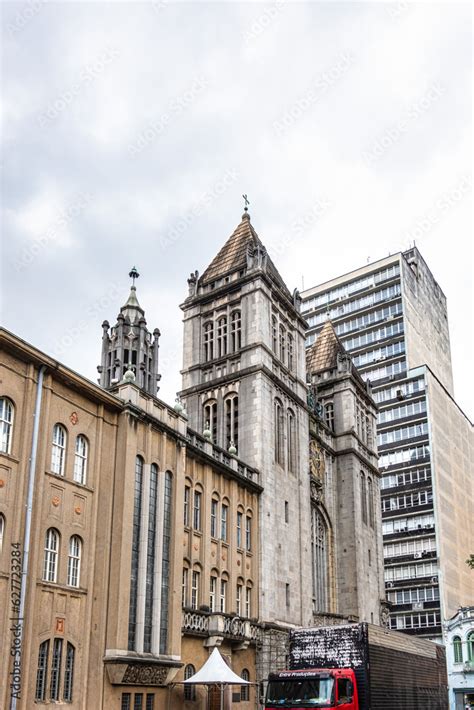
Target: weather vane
[246,207]
[134,275]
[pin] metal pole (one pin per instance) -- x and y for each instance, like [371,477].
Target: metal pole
[29,513]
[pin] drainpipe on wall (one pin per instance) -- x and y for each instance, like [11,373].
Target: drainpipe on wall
[29,514]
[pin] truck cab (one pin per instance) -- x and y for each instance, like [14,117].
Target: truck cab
[328,688]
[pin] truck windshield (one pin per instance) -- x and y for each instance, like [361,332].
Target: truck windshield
[307,693]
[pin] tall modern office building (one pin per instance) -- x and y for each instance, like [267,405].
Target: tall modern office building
[391,316]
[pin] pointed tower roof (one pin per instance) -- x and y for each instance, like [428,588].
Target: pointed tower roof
[233,255]
[322,354]
[132,308]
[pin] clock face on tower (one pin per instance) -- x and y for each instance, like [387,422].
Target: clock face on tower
[316,460]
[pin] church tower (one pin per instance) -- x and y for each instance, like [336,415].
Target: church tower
[244,384]
[129,346]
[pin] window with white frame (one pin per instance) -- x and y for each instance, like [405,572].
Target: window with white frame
[214,507]
[248,602]
[238,599]
[51,552]
[184,587]
[405,524]
[212,593]
[223,596]
[224,520]
[197,510]
[7,412]
[187,499]
[239,528]
[74,561]
[248,533]
[195,589]
[80,459]
[58,452]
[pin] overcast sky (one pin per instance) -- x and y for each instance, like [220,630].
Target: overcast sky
[131,131]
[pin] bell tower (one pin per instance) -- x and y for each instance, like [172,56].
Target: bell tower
[244,382]
[129,346]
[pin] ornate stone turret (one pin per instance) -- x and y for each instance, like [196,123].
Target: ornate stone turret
[129,346]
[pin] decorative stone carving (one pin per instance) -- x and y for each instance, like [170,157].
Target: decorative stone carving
[192,283]
[74,418]
[144,675]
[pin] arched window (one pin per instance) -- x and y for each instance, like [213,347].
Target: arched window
[222,337]
[320,559]
[212,592]
[74,561]
[208,341]
[7,411]
[470,646]
[239,597]
[248,533]
[136,529]
[274,335]
[51,551]
[329,415]
[232,420]
[223,595]
[166,560]
[278,425]
[80,459]
[282,344]
[42,671]
[195,584]
[150,557]
[225,520]
[291,440]
[189,690]
[290,352]
[210,418]
[69,673]
[236,331]
[457,648]
[248,601]
[245,689]
[370,496]
[2,531]
[363,497]
[197,510]
[58,453]
[56,669]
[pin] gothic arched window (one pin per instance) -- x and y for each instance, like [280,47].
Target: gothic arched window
[7,411]
[329,415]
[208,341]
[274,335]
[370,496]
[320,559]
[189,690]
[236,331]
[278,430]
[136,530]
[69,673]
[42,671]
[282,344]
[210,418]
[363,497]
[244,689]
[231,404]
[290,351]
[291,440]
[222,337]
[150,557]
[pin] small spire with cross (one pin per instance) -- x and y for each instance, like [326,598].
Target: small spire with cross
[134,275]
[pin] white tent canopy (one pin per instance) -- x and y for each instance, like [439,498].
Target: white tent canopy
[214,671]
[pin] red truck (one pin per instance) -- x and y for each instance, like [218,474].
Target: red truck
[360,667]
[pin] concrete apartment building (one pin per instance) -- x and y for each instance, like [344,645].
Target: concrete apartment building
[391,316]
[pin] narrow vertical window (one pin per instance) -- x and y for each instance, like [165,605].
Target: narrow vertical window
[187,497]
[195,589]
[42,671]
[287,514]
[51,549]
[166,562]
[291,440]
[244,689]
[223,596]
[56,669]
[184,593]
[282,344]
[457,648]
[208,341]
[236,331]
[197,510]
[224,516]
[248,599]
[69,673]
[2,531]
[320,560]
[74,561]
[214,505]
[150,558]
[238,600]
[248,533]
[136,528]
[189,690]
[329,415]
[6,424]
[58,453]
[239,528]
[278,424]
[222,337]
[138,701]
[363,498]
[470,646]
[274,335]
[370,495]
[212,593]
[232,420]
[290,351]
[210,418]
[150,701]
[126,700]
[80,459]
[287,595]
